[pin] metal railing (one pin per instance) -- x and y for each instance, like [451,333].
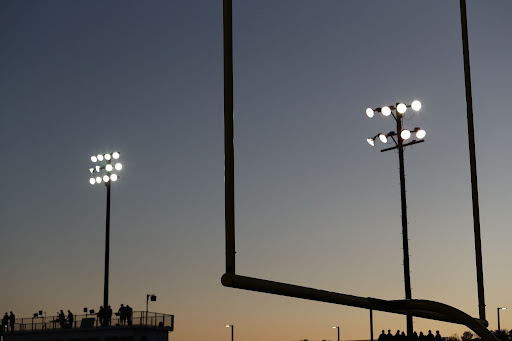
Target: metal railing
[87,321]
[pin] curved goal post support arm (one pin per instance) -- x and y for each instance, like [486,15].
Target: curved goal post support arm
[420,308]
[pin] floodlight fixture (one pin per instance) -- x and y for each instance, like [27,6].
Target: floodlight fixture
[97,168]
[405,134]
[369,112]
[118,166]
[94,158]
[92,181]
[106,178]
[401,108]
[383,138]
[109,167]
[421,134]
[91,170]
[386,111]
[107,157]
[99,157]
[98,179]
[371,141]
[113,177]
[115,155]
[416,105]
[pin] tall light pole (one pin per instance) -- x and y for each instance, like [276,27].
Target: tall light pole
[232,331]
[499,317]
[107,179]
[338,327]
[398,138]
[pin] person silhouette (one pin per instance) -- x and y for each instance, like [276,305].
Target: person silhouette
[397,336]
[12,320]
[70,319]
[5,322]
[109,316]
[415,336]
[62,319]
[122,314]
[438,336]
[382,336]
[403,337]
[421,337]
[101,316]
[430,336]
[129,314]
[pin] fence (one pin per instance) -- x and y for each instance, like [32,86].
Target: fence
[51,323]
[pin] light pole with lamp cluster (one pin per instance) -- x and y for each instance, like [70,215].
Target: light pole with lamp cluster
[499,316]
[398,138]
[338,327]
[232,331]
[153,299]
[107,179]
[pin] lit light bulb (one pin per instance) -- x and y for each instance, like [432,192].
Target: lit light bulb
[92,181]
[100,157]
[383,138]
[108,168]
[107,157]
[98,180]
[106,178]
[405,134]
[371,142]
[94,159]
[385,111]
[115,155]
[369,112]
[401,108]
[113,177]
[416,105]
[97,168]
[91,170]
[421,133]
[119,166]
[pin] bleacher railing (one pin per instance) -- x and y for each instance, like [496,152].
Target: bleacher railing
[85,321]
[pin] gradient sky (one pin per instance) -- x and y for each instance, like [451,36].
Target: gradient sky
[315,204]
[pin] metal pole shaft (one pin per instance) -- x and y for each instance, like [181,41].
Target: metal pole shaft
[338,333]
[499,319]
[107,251]
[472,162]
[229,158]
[232,333]
[371,324]
[405,238]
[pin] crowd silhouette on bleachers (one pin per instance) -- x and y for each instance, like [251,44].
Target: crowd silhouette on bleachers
[104,318]
[399,336]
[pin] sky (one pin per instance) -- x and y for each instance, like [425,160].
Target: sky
[315,204]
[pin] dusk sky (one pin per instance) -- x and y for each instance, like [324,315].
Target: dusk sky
[315,204]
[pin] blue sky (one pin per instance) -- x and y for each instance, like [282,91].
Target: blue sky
[315,204]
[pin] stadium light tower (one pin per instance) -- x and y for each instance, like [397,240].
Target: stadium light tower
[107,179]
[398,138]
